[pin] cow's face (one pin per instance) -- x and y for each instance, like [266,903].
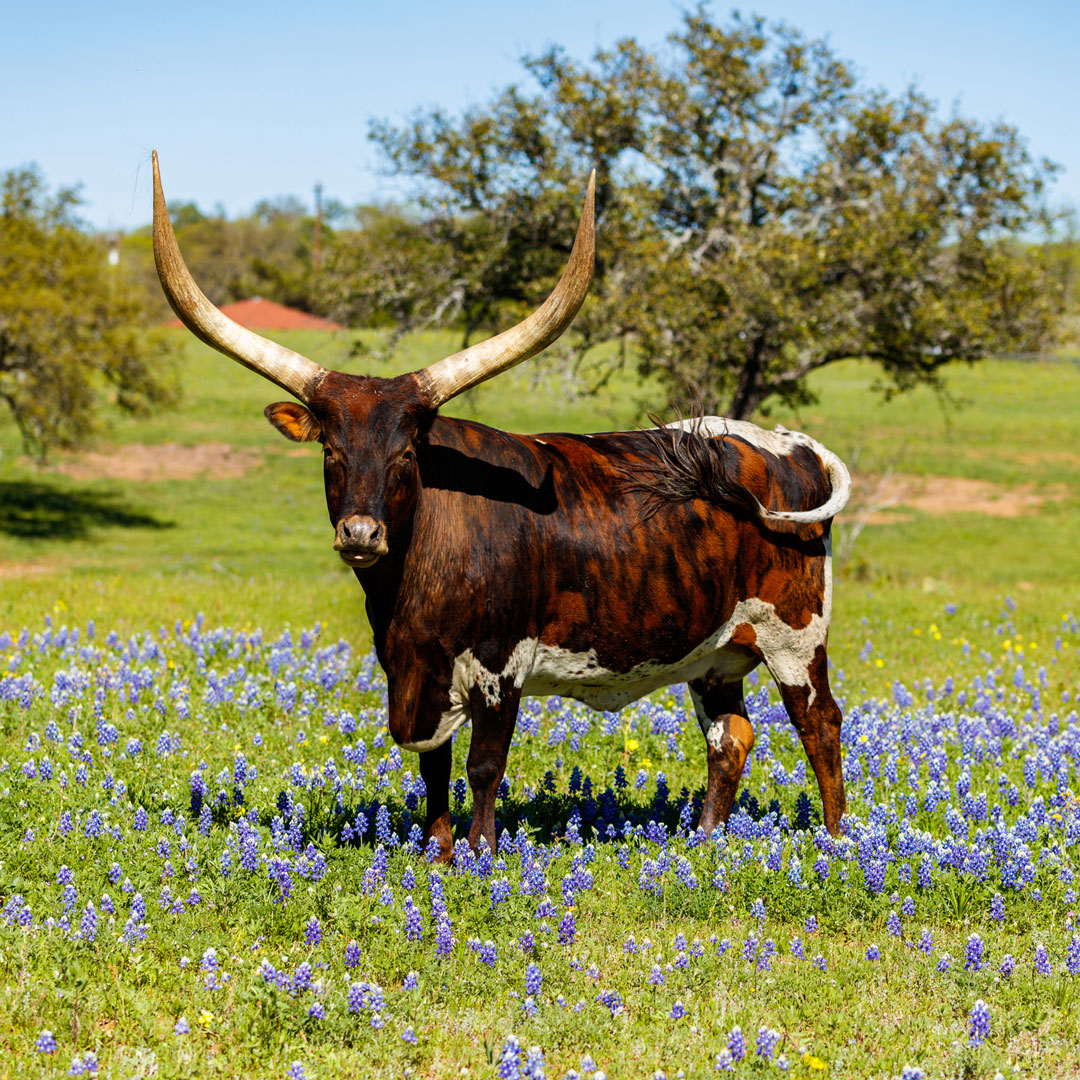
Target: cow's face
[369,429]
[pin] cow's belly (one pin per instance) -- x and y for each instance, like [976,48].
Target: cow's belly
[540,669]
[580,676]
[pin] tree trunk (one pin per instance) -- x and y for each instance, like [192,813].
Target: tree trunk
[750,390]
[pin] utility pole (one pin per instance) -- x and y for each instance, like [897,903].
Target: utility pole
[316,258]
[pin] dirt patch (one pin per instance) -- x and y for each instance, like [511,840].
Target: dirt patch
[14,570]
[165,461]
[884,498]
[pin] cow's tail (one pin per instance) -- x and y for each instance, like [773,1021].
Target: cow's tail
[839,482]
[688,461]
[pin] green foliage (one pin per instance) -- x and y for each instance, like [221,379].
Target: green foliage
[68,322]
[268,253]
[761,213]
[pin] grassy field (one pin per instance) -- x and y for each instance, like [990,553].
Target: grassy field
[200,815]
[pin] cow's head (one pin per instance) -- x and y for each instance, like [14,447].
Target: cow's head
[368,427]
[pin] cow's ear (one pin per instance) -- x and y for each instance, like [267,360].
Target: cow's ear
[293,421]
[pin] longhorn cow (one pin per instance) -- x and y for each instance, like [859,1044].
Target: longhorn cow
[598,567]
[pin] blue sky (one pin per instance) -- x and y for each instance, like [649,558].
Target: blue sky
[245,101]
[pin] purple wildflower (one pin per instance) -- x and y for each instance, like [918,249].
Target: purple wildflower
[979,1023]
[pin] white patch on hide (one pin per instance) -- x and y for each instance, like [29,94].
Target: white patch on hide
[715,735]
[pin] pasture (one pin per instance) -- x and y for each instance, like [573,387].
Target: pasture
[210,861]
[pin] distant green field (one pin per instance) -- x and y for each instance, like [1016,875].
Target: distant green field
[254,548]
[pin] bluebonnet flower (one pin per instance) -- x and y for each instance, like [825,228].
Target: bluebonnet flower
[979,1023]
[797,949]
[317,1011]
[313,931]
[88,925]
[678,1011]
[1072,956]
[352,954]
[444,938]
[296,1071]
[750,947]
[301,979]
[945,962]
[892,924]
[873,953]
[997,908]
[533,980]
[612,999]
[768,951]
[412,980]
[820,964]
[736,1044]
[765,1044]
[973,960]
[1008,965]
[46,1042]
[567,929]
[1041,962]
[85,1063]
[926,941]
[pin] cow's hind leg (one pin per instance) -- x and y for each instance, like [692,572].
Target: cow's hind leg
[817,719]
[729,738]
[435,768]
[492,729]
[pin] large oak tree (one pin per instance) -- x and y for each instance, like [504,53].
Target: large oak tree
[761,213]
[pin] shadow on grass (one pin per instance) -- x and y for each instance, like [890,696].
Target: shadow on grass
[36,511]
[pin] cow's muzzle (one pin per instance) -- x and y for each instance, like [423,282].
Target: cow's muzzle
[360,540]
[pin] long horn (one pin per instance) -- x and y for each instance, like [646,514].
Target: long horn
[455,374]
[291,371]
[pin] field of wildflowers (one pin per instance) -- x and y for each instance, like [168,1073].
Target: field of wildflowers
[211,861]
[208,853]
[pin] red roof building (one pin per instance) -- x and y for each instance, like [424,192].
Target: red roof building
[260,314]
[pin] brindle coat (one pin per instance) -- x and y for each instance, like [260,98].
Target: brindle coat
[549,568]
[598,567]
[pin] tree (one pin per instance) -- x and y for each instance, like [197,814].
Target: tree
[68,321]
[760,213]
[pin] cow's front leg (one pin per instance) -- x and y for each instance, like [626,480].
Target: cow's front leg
[493,723]
[435,768]
[424,719]
[729,738]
